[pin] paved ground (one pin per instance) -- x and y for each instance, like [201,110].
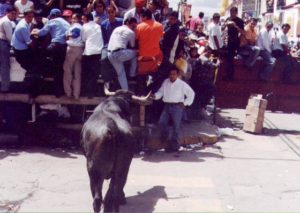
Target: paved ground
[241,173]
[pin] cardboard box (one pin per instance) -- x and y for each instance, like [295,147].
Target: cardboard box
[258,103]
[255,114]
[253,127]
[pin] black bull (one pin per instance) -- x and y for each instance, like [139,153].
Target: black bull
[107,142]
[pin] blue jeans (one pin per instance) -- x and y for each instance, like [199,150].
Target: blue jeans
[117,59]
[253,52]
[269,62]
[175,113]
[4,65]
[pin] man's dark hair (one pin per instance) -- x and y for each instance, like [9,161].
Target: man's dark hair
[173,67]
[146,13]
[174,14]
[234,8]
[254,20]
[201,15]
[156,3]
[88,16]
[131,20]
[111,8]
[10,9]
[286,25]
[216,15]
[99,3]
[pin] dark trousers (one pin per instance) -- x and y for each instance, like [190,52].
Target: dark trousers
[90,74]
[175,113]
[24,58]
[287,61]
[232,50]
[58,53]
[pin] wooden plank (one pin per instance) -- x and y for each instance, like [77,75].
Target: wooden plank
[51,99]
[13,97]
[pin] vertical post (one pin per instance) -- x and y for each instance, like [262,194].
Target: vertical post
[33,112]
[142,115]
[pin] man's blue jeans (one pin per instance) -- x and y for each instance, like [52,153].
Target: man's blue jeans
[269,62]
[117,59]
[173,112]
[4,65]
[253,52]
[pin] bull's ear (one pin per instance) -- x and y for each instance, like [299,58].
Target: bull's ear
[106,90]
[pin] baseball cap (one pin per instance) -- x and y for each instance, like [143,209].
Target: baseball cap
[139,3]
[54,12]
[67,13]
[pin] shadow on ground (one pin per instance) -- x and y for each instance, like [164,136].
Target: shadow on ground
[144,201]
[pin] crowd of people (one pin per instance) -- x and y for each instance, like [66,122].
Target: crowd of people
[140,40]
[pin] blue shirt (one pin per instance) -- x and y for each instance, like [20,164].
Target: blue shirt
[3,8]
[21,36]
[57,28]
[107,28]
[102,17]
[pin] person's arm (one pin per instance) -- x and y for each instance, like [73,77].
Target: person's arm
[8,30]
[284,44]
[83,35]
[159,94]
[61,4]
[90,5]
[113,3]
[26,37]
[45,30]
[49,3]
[132,40]
[190,95]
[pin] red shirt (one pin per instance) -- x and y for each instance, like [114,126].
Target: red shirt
[149,33]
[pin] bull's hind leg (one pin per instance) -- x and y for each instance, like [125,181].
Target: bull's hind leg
[96,183]
[112,197]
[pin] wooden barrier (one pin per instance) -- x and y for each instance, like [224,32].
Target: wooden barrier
[51,99]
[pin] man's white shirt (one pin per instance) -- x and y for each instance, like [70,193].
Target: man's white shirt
[265,39]
[92,36]
[176,92]
[120,38]
[214,30]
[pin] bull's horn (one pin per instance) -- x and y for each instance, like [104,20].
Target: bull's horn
[106,90]
[142,98]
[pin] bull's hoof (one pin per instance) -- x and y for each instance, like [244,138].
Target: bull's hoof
[123,201]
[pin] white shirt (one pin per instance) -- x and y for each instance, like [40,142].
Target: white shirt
[22,7]
[120,38]
[176,92]
[265,39]
[6,29]
[280,39]
[92,36]
[214,30]
[75,40]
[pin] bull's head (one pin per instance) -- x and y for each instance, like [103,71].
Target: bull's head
[140,99]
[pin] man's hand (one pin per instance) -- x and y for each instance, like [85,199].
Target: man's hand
[182,105]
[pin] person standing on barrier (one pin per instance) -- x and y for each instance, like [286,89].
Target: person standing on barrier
[118,51]
[57,27]
[6,31]
[22,43]
[72,64]
[235,27]
[281,50]
[176,95]
[92,37]
[265,42]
